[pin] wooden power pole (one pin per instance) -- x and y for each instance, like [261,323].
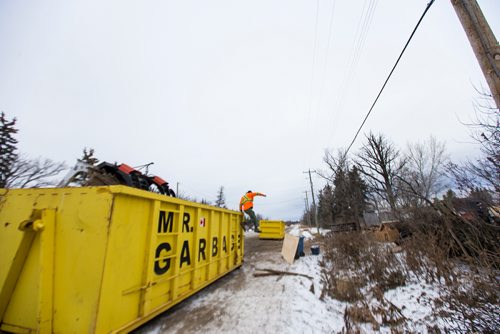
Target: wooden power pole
[314,202]
[307,215]
[483,41]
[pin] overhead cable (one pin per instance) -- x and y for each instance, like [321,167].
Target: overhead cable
[361,34]
[325,65]
[313,65]
[390,74]
[315,42]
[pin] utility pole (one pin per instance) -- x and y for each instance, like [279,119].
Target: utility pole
[314,201]
[307,211]
[483,42]
[177,189]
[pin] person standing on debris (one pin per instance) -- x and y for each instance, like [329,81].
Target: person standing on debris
[246,204]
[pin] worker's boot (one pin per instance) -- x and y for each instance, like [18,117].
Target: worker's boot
[257,229]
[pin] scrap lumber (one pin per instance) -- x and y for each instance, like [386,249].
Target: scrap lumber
[270,272]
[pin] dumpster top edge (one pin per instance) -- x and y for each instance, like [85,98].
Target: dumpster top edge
[121,189]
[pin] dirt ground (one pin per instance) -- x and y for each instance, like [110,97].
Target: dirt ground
[192,314]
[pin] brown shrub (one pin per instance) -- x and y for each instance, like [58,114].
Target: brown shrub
[355,257]
[427,256]
[467,237]
[470,297]
[347,290]
[473,305]
[358,314]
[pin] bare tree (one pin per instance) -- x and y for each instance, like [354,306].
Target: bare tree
[333,204]
[381,164]
[467,226]
[424,175]
[483,172]
[34,173]
[335,163]
[17,171]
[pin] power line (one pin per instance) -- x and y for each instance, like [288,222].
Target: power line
[315,42]
[360,36]
[313,65]
[325,65]
[363,33]
[390,74]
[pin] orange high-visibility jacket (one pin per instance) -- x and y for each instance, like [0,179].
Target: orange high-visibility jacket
[246,201]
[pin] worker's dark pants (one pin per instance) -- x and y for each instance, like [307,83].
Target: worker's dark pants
[253,218]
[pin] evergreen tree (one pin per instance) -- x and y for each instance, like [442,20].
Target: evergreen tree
[349,196]
[449,197]
[220,201]
[340,210]
[357,195]
[325,206]
[8,154]
[88,157]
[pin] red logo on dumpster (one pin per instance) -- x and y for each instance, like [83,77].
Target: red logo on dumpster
[202,222]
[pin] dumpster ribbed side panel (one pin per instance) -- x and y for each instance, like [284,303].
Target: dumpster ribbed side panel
[187,247]
[120,256]
[77,247]
[272,229]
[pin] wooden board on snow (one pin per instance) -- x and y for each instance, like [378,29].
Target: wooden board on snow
[289,248]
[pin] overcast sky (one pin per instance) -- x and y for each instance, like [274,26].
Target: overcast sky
[240,94]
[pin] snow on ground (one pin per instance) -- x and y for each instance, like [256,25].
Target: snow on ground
[243,303]
[270,304]
[276,304]
[307,233]
[416,304]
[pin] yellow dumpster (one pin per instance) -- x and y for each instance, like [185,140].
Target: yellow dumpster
[272,229]
[106,259]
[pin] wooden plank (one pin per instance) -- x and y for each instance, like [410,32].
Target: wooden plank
[289,248]
[269,272]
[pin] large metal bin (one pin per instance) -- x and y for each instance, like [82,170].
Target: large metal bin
[272,229]
[106,259]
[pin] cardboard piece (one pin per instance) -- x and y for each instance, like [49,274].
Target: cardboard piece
[289,249]
[387,233]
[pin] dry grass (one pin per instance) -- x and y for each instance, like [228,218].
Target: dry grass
[427,257]
[357,269]
[363,313]
[360,259]
[470,298]
[354,315]
[473,305]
